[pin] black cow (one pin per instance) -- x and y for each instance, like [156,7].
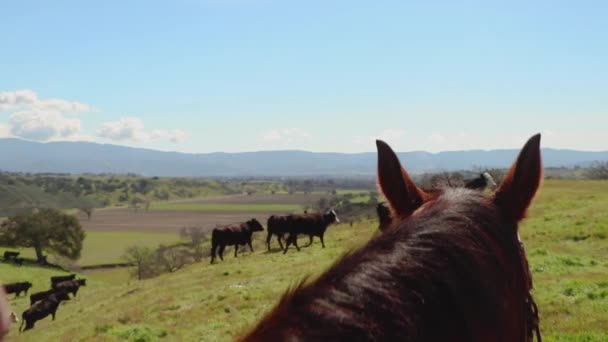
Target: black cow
[311,225]
[481,183]
[17,288]
[279,226]
[384,216]
[42,309]
[70,286]
[233,234]
[8,255]
[59,279]
[38,296]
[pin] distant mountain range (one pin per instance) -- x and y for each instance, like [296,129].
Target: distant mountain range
[85,157]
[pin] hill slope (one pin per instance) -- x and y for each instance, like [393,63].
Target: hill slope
[565,238]
[83,157]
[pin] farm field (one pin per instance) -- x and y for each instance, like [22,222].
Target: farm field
[170,217]
[108,247]
[566,237]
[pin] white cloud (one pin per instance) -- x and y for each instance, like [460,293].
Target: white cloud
[43,125]
[128,128]
[63,106]
[178,136]
[15,99]
[28,99]
[133,129]
[41,119]
[174,135]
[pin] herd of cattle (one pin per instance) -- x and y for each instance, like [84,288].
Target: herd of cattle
[45,303]
[311,224]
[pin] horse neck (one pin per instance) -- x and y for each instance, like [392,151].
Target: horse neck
[424,284]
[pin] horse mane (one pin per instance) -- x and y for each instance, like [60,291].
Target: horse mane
[431,267]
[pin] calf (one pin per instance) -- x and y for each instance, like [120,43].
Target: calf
[70,286]
[42,309]
[17,288]
[233,234]
[8,255]
[59,279]
[279,226]
[311,225]
[384,216]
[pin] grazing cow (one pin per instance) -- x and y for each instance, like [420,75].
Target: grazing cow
[70,286]
[59,279]
[481,183]
[279,226]
[384,216]
[8,255]
[233,234]
[450,267]
[38,296]
[19,261]
[42,309]
[311,225]
[17,288]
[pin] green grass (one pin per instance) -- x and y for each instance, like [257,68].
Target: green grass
[352,191]
[567,244]
[227,207]
[566,238]
[114,276]
[108,247]
[199,303]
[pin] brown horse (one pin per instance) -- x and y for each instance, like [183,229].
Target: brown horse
[450,267]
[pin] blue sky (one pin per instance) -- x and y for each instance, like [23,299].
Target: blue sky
[243,75]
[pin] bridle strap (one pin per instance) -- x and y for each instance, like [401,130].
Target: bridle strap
[532,318]
[532,321]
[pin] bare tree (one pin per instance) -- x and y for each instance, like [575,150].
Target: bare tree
[598,170]
[197,236]
[143,258]
[171,259]
[137,203]
[87,210]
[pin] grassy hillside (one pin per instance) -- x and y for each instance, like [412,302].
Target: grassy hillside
[566,238]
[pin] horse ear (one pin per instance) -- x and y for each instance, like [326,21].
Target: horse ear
[518,188]
[400,191]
